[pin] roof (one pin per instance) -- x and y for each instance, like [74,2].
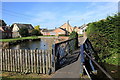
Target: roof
[85,25]
[46,30]
[2,23]
[28,26]
[67,26]
[5,28]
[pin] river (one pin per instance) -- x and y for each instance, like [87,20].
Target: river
[39,44]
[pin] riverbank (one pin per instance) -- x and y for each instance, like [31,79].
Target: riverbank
[21,76]
[21,38]
[4,43]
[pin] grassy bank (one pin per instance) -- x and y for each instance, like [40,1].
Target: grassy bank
[15,39]
[21,76]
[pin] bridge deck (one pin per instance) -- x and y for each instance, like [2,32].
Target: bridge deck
[72,70]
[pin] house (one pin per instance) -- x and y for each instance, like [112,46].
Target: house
[16,27]
[46,31]
[5,31]
[59,31]
[67,27]
[64,29]
[83,28]
[77,29]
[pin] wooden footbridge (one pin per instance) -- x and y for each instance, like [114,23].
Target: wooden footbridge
[73,58]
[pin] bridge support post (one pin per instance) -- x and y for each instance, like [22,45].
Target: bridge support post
[81,59]
[53,58]
[92,67]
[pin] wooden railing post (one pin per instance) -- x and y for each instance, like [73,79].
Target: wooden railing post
[81,59]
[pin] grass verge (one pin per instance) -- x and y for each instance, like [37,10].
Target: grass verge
[21,76]
[15,39]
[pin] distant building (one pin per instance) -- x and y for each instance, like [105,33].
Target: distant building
[16,27]
[76,29]
[83,28]
[64,29]
[5,30]
[46,31]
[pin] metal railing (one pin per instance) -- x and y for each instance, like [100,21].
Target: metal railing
[87,52]
[61,50]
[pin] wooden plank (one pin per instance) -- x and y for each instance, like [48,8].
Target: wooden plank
[10,59]
[49,60]
[37,54]
[34,61]
[5,59]
[20,60]
[40,53]
[23,60]
[32,69]
[46,54]
[13,52]
[43,58]
[15,62]
[29,61]
[26,62]
[1,55]
[2,60]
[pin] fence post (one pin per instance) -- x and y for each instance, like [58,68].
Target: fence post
[53,58]
[81,59]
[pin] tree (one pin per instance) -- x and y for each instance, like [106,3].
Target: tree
[35,32]
[37,27]
[23,32]
[104,35]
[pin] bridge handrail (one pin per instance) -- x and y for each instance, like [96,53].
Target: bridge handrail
[100,67]
[61,50]
[85,51]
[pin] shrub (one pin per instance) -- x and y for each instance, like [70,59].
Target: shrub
[35,32]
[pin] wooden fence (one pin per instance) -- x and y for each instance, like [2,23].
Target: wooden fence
[26,61]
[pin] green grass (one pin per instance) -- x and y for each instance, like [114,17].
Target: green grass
[15,39]
[80,35]
[22,76]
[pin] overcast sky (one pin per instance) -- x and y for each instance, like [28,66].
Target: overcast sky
[54,14]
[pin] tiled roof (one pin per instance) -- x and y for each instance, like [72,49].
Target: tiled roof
[2,23]
[28,26]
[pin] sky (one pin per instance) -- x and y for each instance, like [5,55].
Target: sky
[54,14]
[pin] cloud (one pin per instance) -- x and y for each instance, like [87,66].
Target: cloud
[93,12]
[96,12]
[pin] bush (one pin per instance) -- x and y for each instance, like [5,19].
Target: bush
[103,35]
[23,32]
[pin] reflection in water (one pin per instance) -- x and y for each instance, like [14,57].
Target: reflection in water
[31,45]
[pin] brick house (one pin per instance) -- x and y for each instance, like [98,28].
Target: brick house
[5,31]
[16,27]
[64,29]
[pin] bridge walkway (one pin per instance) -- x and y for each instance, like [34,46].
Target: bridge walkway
[72,67]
